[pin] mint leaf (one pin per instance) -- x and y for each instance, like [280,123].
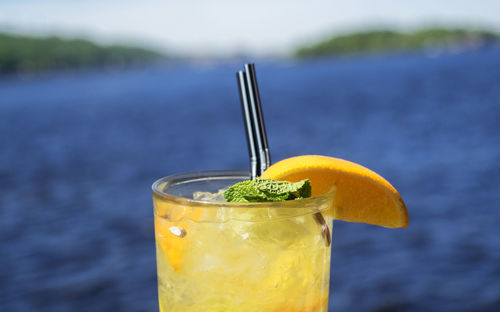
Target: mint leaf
[262,190]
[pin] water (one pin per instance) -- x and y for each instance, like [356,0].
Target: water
[80,151]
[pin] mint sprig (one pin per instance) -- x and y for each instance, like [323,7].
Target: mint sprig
[264,190]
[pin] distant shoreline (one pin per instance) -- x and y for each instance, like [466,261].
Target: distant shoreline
[28,54]
[384,40]
[35,54]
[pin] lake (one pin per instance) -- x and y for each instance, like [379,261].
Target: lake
[80,150]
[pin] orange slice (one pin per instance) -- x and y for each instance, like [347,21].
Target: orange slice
[361,194]
[171,242]
[173,237]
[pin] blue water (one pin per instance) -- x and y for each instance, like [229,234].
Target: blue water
[79,151]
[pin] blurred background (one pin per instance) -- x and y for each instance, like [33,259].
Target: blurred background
[100,98]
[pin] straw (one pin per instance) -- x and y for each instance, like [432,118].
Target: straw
[253,118]
[258,117]
[248,121]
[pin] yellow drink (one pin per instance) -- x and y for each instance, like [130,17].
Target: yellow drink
[218,256]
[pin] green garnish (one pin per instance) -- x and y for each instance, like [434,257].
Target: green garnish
[262,190]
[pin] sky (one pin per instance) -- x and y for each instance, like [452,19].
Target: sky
[226,27]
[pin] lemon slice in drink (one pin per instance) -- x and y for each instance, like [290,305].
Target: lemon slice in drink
[361,194]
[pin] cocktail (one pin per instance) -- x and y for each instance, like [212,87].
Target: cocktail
[265,256]
[234,241]
[220,256]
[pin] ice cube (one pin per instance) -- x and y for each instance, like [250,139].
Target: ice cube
[219,196]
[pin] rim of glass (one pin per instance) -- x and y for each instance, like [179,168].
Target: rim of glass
[220,175]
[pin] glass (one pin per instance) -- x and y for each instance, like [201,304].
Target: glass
[219,256]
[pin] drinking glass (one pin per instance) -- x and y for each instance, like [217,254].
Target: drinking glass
[225,256]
